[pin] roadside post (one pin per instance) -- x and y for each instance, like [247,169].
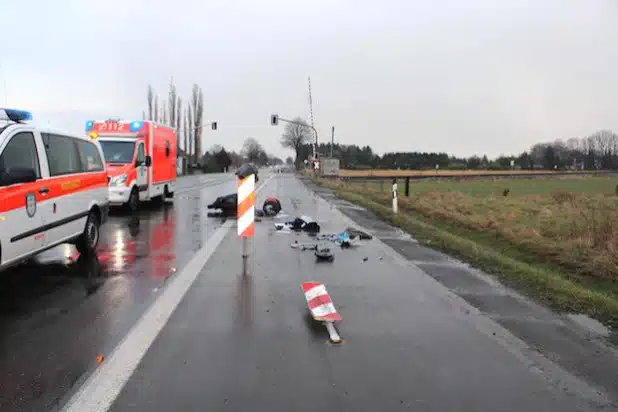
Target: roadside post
[407,186]
[246,210]
[395,196]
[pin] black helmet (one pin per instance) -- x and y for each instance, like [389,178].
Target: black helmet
[246,170]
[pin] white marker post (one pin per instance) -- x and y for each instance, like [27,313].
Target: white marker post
[395,208]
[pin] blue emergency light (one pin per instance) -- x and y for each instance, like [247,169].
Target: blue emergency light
[136,126]
[15,115]
[89,125]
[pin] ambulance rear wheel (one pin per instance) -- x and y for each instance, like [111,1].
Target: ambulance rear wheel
[167,193]
[158,201]
[88,241]
[133,202]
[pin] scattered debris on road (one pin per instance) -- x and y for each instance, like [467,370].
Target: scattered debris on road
[358,233]
[304,246]
[324,255]
[303,223]
[228,207]
[226,204]
[271,207]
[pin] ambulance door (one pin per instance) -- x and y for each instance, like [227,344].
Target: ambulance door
[142,171]
[68,214]
[21,192]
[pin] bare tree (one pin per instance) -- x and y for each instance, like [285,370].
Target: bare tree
[236,159]
[156,109]
[150,97]
[295,136]
[537,153]
[216,148]
[186,136]
[164,114]
[178,115]
[172,103]
[574,144]
[197,104]
[252,150]
[143,115]
[562,153]
[178,121]
[191,131]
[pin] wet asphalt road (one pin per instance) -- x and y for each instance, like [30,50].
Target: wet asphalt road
[240,343]
[237,343]
[58,311]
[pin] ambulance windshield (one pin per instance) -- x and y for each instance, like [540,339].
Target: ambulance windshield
[118,152]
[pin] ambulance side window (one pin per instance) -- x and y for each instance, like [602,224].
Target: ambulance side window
[62,155]
[140,157]
[91,160]
[20,152]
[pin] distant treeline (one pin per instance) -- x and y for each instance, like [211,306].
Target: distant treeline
[597,151]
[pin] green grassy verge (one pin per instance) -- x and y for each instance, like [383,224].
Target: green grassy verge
[544,282]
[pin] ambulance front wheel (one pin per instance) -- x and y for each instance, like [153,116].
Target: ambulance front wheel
[88,241]
[133,202]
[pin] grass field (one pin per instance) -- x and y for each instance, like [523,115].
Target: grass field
[393,173]
[556,238]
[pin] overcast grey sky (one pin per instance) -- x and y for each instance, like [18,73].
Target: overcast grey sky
[462,76]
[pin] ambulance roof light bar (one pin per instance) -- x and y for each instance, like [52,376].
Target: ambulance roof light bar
[15,115]
[134,126]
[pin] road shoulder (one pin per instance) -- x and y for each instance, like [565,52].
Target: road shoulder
[582,351]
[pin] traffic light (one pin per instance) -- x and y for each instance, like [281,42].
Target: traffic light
[214,125]
[274,120]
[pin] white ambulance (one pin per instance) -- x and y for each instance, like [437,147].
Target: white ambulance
[53,189]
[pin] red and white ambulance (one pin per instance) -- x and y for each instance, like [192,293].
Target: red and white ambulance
[140,157]
[53,189]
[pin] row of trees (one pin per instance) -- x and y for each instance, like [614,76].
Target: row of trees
[189,128]
[594,152]
[597,151]
[217,159]
[188,122]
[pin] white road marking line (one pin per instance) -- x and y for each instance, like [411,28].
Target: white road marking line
[102,388]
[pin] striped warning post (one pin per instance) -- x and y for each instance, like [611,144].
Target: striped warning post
[320,304]
[246,206]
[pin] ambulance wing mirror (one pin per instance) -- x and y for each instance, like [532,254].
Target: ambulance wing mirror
[18,175]
[148,161]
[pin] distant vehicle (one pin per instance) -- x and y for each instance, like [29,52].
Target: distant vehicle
[53,189]
[140,157]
